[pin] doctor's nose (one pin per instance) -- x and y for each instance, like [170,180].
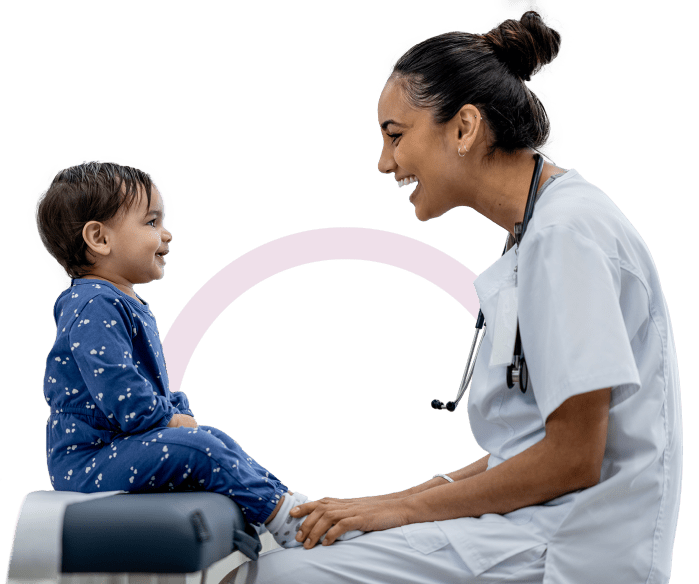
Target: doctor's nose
[386,162]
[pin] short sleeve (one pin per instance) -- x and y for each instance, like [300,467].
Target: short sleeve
[103,350]
[571,323]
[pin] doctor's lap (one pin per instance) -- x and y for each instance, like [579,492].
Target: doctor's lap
[414,554]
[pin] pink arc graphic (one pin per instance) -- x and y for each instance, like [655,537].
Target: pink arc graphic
[337,243]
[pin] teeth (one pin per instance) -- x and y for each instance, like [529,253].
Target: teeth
[407,181]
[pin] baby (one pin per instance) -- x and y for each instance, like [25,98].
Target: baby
[114,424]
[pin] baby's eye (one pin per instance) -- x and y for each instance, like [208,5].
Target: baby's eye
[151,223]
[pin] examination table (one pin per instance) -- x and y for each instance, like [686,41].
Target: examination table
[128,538]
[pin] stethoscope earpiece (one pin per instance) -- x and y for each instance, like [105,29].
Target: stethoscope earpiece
[438,405]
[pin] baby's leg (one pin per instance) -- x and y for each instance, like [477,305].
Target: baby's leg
[178,459]
[217,463]
[283,526]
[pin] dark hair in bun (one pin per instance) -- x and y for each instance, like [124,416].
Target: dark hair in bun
[524,45]
[448,71]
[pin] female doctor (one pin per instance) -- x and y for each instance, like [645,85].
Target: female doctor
[582,478]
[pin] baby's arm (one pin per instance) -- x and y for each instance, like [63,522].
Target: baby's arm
[185,418]
[179,400]
[101,343]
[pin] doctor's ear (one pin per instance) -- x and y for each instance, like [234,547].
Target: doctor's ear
[468,121]
[97,238]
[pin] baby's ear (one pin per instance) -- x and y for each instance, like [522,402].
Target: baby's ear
[96,237]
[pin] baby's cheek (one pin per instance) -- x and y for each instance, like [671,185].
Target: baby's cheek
[155,235]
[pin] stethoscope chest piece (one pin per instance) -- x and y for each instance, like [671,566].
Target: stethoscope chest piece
[518,373]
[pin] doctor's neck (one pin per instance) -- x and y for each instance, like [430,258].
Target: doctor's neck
[502,186]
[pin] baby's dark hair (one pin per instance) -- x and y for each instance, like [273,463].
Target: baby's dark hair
[446,72]
[92,191]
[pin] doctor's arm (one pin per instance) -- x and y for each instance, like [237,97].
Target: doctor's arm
[567,459]
[464,473]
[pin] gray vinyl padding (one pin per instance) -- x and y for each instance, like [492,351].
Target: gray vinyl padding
[154,533]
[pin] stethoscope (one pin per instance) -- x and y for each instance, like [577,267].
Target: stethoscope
[517,372]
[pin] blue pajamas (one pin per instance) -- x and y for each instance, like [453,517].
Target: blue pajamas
[106,383]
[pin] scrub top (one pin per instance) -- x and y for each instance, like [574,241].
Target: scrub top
[592,315]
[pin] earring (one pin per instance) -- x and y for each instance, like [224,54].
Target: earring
[462,155]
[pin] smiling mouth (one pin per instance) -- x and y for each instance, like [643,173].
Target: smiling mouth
[407,181]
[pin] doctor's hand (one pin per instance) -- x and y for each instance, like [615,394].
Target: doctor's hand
[333,517]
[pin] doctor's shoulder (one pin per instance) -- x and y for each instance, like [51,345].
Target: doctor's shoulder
[575,206]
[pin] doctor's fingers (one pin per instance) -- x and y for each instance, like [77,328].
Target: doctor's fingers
[318,523]
[303,510]
[308,508]
[319,530]
[342,527]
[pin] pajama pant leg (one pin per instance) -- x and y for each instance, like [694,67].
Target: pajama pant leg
[425,556]
[178,459]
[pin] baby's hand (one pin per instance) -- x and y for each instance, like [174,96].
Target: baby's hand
[182,420]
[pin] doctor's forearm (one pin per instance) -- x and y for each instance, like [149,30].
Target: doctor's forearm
[532,477]
[567,459]
[469,471]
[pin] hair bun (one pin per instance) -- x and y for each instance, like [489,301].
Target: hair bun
[524,45]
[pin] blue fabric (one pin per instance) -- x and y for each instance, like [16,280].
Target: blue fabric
[106,383]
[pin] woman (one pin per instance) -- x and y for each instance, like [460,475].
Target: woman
[581,483]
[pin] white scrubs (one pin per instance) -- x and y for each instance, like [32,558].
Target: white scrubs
[592,315]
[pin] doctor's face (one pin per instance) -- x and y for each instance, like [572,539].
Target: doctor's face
[415,151]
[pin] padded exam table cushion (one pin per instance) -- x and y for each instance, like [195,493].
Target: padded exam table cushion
[157,533]
[154,533]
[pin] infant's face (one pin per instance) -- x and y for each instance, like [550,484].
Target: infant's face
[139,241]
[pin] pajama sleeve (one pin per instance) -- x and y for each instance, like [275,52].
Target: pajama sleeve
[101,343]
[573,332]
[179,400]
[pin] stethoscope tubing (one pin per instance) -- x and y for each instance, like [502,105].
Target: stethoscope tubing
[518,367]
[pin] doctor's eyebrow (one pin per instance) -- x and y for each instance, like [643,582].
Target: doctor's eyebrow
[387,122]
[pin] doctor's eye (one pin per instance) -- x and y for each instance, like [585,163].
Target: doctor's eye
[394,137]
